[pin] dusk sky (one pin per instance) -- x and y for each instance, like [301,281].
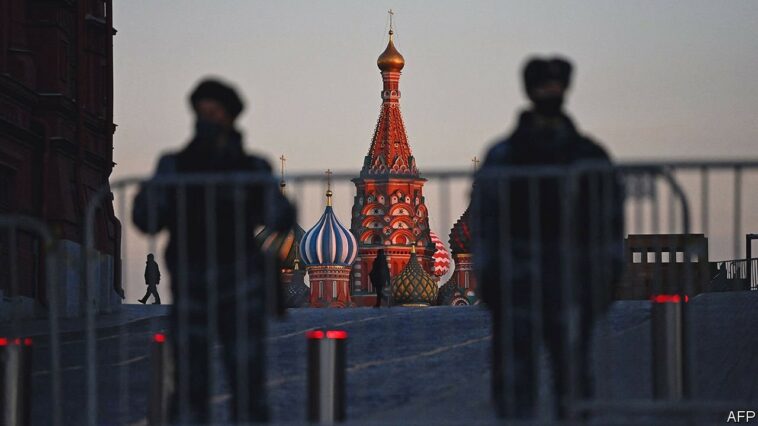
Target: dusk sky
[660,80]
[652,79]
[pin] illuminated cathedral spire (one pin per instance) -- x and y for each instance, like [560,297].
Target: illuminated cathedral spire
[389,151]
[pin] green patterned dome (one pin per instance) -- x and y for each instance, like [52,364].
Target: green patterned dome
[296,293]
[448,293]
[286,245]
[414,287]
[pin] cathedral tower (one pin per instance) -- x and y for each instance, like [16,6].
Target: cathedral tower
[389,209]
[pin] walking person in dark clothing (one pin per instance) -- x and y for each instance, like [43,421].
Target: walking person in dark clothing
[152,278]
[548,247]
[380,275]
[215,264]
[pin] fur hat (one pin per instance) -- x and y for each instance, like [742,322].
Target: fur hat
[218,91]
[539,70]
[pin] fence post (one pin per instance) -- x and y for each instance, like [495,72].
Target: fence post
[15,379]
[326,376]
[161,381]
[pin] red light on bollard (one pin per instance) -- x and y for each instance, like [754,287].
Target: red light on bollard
[314,334]
[17,342]
[27,341]
[159,338]
[668,298]
[336,334]
[3,341]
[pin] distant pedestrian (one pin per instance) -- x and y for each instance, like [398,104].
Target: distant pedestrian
[152,279]
[380,276]
[212,249]
[537,238]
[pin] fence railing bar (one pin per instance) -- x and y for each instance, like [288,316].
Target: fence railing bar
[123,340]
[242,305]
[704,200]
[180,407]
[535,249]
[89,308]
[211,287]
[737,212]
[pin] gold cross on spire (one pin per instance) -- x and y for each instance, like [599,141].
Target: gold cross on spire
[282,184]
[391,13]
[476,163]
[328,187]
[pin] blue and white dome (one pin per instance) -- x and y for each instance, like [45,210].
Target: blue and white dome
[328,242]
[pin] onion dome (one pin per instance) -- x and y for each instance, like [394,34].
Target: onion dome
[390,59]
[441,256]
[296,293]
[284,244]
[448,292]
[460,235]
[328,242]
[413,286]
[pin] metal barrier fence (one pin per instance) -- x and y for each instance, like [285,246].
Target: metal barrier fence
[658,201]
[735,275]
[19,390]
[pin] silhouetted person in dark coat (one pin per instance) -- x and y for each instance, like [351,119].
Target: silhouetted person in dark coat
[554,249]
[152,278]
[211,251]
[380,275]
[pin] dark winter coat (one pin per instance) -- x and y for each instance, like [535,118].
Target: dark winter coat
[380,272]
[152,273]
[593,223]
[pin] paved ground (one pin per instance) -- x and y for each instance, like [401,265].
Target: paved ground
[418,366]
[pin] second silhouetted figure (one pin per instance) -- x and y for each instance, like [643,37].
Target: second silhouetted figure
[380,275]
[152,278]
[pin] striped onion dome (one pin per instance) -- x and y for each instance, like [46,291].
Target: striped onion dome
[328,242]
[413,286]
[460,235]
[284,244]
[441,256]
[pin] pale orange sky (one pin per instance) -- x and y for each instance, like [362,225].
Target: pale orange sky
[652,79]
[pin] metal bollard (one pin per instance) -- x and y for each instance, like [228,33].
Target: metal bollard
[15,377]
[161,381]
[326,376]
[668,354]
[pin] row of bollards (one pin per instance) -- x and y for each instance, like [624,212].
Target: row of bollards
[326,369]
[15,379]
[326,377]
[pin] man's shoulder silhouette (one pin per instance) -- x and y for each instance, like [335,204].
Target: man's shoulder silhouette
[520,147]
[258,164]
